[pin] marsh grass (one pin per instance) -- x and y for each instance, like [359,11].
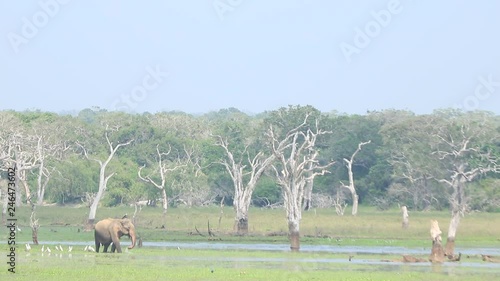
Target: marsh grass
[321,226]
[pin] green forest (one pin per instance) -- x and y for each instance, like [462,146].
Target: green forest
[426,162]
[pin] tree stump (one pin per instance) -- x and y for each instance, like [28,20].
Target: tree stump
[242,226]
[437,252]
[294,236]
[406,221]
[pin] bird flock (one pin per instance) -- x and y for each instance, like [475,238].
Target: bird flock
[58,249]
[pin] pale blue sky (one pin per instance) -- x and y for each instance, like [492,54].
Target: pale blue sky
[256,55]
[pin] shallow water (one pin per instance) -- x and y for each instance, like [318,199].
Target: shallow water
[389,250]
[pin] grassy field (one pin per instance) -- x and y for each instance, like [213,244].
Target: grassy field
[172,264]
[318,227]
[370,227]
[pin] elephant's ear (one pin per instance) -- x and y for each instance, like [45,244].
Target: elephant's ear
[125,223]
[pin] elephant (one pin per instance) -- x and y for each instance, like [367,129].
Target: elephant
[110,230]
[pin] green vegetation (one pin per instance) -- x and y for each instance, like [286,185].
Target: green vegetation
[402,165]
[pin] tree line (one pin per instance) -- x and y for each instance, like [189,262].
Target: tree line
[295,156]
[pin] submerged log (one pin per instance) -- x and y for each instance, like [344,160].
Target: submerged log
[407,258]
[490,259]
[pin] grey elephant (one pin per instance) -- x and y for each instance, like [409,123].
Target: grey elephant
[109,231]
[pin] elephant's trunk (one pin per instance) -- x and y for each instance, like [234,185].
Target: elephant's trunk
[132,237]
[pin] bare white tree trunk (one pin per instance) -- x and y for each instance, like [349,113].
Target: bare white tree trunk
[103,181]
[43,180]
[452,232]
[355,202]
[23,179]
[241,217]
[308,189]
[458,208]
[351,186]
[294,234]
[164,203]
[41,184]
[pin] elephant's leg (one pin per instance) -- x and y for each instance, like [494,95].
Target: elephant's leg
[97,245]
[113,248]
[118,247]
[116,243]
[106,247]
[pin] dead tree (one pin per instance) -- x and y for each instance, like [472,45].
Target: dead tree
[163,169]
[103,178]
[297,162]
[412,181]
[464,158]
[15,151]
[252,169]
[46,150]
[351,187]
[406,221]
[25,160]
[192,184]
[339,203]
